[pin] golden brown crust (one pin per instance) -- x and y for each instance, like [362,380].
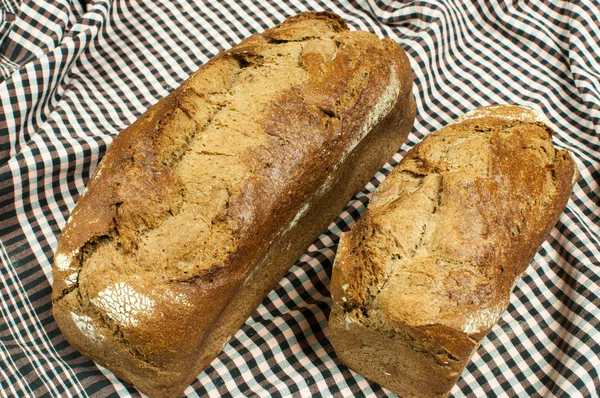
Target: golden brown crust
[431,265]
[175,220]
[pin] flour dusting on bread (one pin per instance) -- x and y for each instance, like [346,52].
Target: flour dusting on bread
[523,113]
[85,324]
[382,107]
[63,261]
[482,320]
[123,304]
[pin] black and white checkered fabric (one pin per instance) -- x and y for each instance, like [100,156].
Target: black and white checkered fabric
[73,73]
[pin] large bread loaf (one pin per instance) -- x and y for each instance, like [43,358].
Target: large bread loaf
[201,206]
[429,268]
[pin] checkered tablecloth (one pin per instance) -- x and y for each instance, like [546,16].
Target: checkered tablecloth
[73,73]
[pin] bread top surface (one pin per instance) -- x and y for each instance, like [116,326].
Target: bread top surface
[189,197]
[437,253]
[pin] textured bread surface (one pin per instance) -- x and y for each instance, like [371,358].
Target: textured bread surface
[429,268]
[200,206]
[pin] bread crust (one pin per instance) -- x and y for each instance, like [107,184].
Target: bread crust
[202,205]
[429,268]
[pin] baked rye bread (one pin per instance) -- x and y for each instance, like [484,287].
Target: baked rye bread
[430,266]
[201,206]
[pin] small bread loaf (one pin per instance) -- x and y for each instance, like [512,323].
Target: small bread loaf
[429,268]
[201,206]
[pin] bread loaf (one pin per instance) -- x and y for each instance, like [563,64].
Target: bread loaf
[429,268]
[203,204]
